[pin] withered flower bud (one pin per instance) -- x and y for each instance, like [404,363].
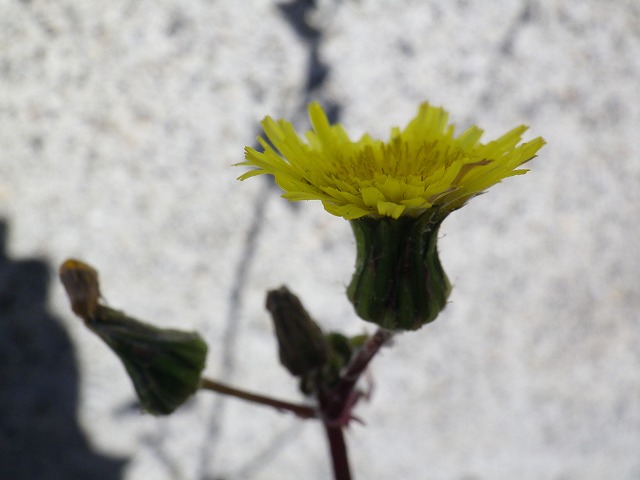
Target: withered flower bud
[81,283]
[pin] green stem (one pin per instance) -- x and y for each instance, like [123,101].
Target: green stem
[301,411]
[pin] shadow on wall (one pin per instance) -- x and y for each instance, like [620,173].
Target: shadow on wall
[39,434]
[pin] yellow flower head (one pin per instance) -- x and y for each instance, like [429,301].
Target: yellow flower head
[422,166]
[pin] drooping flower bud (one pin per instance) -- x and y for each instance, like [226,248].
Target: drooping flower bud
[164,364]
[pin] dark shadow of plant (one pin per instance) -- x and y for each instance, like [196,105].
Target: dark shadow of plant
[39,433]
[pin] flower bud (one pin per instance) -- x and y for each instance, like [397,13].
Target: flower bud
[399,282]
[302,346]
[163,364]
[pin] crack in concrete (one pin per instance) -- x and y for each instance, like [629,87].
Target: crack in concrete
[230,336]
[296,13]
[505,50]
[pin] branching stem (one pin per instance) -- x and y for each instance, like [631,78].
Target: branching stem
[335,404]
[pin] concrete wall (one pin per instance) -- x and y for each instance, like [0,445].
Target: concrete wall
[119,122]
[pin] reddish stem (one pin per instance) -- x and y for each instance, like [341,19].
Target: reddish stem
[338,448]
[301,411]
[336,402]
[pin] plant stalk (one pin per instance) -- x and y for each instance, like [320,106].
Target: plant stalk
[338,448]
[301,411]
[336,402]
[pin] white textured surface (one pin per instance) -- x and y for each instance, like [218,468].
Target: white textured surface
[118,124]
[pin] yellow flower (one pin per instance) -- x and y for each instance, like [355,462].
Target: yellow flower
[395,195]
[422,166]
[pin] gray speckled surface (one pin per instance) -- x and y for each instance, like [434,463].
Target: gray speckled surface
[118,124]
